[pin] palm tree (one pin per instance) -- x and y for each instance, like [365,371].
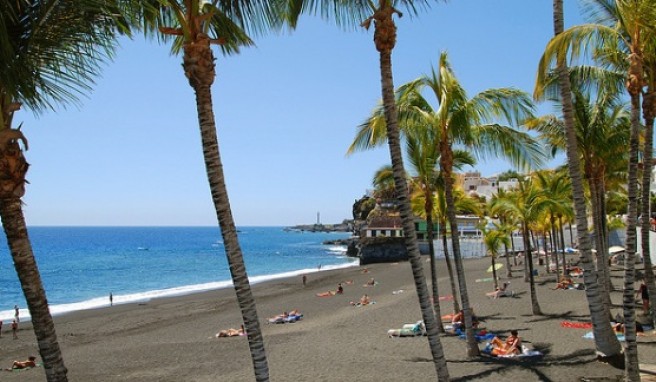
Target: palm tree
[526,204]
[605,340]
[649,113]
[497,210]
[469,122]
[194,26]
[464,204]
[50,53]
[494,237]
[382,14]
[427,185]
[558,188]
[602,131]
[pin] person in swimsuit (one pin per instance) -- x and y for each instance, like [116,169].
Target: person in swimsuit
[512,344]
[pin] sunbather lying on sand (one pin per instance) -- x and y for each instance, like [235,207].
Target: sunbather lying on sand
[231,332]
[293,316]
[30,362]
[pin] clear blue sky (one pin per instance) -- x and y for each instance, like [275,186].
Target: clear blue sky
[286,112]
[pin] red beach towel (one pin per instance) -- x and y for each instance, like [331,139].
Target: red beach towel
[576,324]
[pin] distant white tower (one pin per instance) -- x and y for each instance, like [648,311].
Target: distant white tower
[318,218]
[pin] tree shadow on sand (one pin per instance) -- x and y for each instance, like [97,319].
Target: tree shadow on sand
[537,365]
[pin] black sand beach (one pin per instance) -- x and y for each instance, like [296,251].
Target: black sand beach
[173,339]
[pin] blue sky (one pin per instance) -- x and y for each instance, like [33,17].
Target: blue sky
[286,112]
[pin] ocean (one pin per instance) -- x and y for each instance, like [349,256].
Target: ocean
[81,266]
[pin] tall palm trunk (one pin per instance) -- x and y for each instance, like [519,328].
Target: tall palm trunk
[431,253]
[199,68]
[562,238]
[494,270]
[603,231]
[449,267]
[13,168]
[631,372]
[554,236]
[649,112]
[508,265]
[606,343]
[598,218]
[446,164]
[385,39]
[535,306]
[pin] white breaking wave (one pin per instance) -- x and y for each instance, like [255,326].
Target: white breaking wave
[144,297]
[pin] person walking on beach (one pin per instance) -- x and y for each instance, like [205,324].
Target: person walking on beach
[644,293]
[304,280]
[16,313]
[0,328]
[111,299]
[14,329]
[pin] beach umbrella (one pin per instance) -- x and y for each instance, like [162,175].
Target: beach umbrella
[497,266]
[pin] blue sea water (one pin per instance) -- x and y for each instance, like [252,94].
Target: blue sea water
[80,266]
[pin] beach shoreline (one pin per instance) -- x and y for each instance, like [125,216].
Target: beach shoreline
[173,338]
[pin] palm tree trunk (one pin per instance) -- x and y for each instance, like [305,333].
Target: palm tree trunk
[508,265]
[449,267]
[631,372]
[385,39]
[562,238]
[494,271]
[606,343]
[598,217]
[535,306]
[649,112]
[446,163]
[431,253]
[554,235]
[13,223]
[199,69]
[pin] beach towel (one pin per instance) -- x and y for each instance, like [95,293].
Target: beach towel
[485,279]
[358,304]
[576,324]
[284,320]
[590,336]
[480,335]
[526,353]
[446,298]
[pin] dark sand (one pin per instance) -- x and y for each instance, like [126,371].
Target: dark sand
[173,339]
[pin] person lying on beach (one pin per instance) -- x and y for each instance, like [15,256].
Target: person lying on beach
[499,291]
[512,345]
[30,362]
[364,300]
[231,332]
[564,283]
[293,316]
[369,283]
